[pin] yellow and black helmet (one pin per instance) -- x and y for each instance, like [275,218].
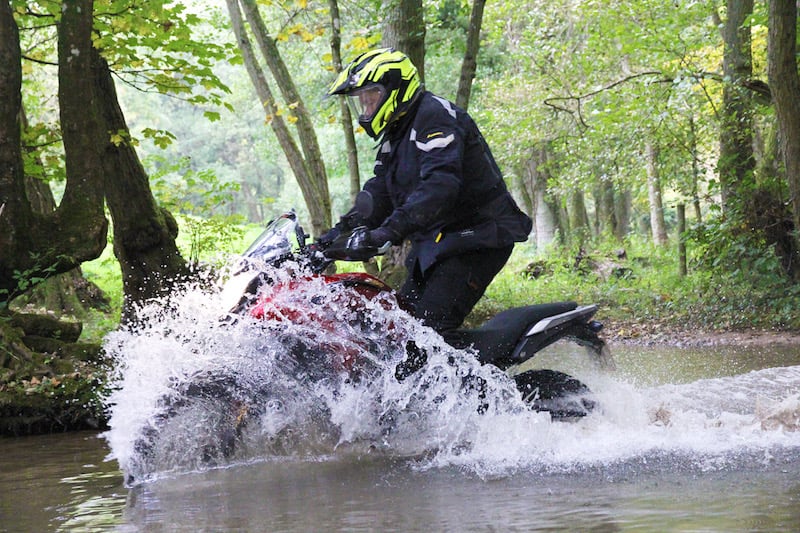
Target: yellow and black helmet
[380,84]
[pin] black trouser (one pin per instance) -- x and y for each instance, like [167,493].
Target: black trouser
[443,297]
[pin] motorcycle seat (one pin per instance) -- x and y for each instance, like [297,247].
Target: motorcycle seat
[495,339]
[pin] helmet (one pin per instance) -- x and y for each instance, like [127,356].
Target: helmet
[380,84]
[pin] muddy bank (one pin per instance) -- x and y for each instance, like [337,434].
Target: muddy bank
[49,381]
[646,335]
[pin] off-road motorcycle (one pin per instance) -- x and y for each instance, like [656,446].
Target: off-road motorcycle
[277,271]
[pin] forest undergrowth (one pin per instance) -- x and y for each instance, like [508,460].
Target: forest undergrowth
[641,295]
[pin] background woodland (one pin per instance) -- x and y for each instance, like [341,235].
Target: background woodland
[161,129]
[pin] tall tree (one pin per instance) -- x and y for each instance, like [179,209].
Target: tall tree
[33,245]
[65,293]
[736,161]
[605,208]
[747,197]
[144,233]
[344,109]
[578,223]
[657,225]
[534,179]
[404,29]
[308,166]
[100,162]
[470,64]
[785,87]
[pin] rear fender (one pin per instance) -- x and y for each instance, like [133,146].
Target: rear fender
[574,325]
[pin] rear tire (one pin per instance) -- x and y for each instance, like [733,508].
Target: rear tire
[557,393]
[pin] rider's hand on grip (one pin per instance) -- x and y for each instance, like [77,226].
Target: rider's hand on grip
[361,245]
[316,257]
[326,239]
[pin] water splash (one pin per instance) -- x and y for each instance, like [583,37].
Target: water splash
[314,376]
[714,424]
[194,391]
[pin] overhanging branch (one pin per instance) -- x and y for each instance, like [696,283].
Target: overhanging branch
[562,103]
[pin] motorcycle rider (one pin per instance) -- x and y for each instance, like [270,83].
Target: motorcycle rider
[435,183]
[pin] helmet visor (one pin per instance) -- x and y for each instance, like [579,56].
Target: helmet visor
[366,101]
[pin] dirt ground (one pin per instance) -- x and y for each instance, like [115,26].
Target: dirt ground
[651,335]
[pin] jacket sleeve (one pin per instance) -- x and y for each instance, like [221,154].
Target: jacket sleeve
[437,140]
[382,207]
[382,202]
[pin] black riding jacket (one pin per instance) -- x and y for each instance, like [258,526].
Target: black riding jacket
[437,183]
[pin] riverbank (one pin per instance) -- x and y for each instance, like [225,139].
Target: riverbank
[658,334]
[49,381]
[47,401]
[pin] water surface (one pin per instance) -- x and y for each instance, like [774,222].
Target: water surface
[713,461]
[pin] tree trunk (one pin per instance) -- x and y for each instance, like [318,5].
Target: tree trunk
[622,206]
[309,169]
[144,233]
[264,92]
[607,222]
[344,109]
[657,224]
[15,212]
[316,175]
[785,87]
[736,161]
[83,131]
[32,245]
[470,63]
[60,294]
[534,186]
[682,268]
[698,213]
[579,231]
[404,30]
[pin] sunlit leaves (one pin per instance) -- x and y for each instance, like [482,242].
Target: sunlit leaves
[153,45]
[300,31]
[42,155]
[213,116]
[118,138]
[160,138]
[198,196]
[362,43]
[594,79]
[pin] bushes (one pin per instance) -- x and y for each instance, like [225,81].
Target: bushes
[645,286]
[724,289]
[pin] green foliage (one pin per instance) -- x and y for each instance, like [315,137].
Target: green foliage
[42,156]
[105,273]
[155,45]
[724,245]
[27,279]
[197,196]
[160,138]
[595,80]
[61,403]
[649,292]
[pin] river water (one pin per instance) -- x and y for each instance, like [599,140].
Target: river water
[701,439]
[254,425]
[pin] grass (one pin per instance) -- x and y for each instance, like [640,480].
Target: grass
[643,290]
[647,288]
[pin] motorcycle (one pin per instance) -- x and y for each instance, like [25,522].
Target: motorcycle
[506,341]
[329,334]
